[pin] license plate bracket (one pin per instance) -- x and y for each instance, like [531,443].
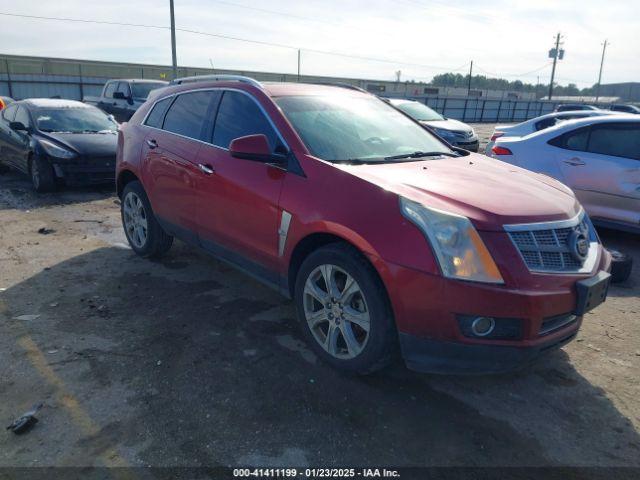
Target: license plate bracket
[592,292]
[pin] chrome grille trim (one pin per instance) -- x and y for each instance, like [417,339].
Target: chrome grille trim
[543,248]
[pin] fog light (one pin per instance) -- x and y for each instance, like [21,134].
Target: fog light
[483,326]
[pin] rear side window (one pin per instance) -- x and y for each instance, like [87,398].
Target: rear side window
[546,123]
[574,140]
[619,140]
[156,116]
[111,87]
[124,88]
[238,116]
[187,115]
[22,116]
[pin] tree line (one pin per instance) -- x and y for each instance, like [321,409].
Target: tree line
[485,83]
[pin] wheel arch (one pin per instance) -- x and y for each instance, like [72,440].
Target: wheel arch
[125,177]
[313,241]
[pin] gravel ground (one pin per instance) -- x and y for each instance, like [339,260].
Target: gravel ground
[186,362]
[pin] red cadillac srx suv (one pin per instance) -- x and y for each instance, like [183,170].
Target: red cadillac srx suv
[382,234]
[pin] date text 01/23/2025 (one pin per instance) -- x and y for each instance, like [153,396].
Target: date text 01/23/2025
[315,473]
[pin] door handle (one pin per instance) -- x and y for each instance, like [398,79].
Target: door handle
[574,162]
[208,169]
[152,143]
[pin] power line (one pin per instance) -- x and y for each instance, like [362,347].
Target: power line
[515,74]
[229,37]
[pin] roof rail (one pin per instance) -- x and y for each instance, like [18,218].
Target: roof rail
[217,78]
[342,85]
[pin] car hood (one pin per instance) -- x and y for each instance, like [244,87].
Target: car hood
[87,144]
[489,192]
[448,124]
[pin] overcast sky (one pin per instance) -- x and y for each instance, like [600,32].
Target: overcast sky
[506,38]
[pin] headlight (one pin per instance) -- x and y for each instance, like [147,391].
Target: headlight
[460,251]
[444,133]
[55,150]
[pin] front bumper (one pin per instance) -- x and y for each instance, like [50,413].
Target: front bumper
[93,171]
[442,357]
[427,309]
[471,145]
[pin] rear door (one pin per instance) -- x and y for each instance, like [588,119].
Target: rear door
[7,115]
[19,144]
[106,103]
[177,128]
[603,168]
[237,205]
[122,109]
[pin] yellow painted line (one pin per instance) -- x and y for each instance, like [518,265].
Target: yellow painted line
[110,458]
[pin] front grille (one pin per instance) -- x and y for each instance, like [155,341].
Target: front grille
[548,249]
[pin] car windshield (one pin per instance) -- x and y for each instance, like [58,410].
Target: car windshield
[341,128]
[418,111]
[141,90]
[74,120]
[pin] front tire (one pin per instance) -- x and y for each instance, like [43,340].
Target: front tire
[145,235]
[621,265]
[344,310]
[42,177]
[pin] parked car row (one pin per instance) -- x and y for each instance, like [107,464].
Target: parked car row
[387,235]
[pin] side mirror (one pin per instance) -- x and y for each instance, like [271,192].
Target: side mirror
[255,147]
[120,96]
[18,127]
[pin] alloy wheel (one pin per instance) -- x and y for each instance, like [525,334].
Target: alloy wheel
[336,311]
[35,175]
[135,220]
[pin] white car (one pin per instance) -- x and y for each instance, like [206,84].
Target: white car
[539,123]
[598,157]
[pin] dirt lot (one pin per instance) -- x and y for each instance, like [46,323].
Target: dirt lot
[186,362]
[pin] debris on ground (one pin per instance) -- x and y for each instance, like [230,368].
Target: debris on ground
[45,231]
[26,421]
[26,318]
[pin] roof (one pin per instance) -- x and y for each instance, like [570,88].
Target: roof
[400,101]
[138,80]
[281,89]
[272,89]
[599,119]
[54,103]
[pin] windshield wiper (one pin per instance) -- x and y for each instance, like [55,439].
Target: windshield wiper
[420,155]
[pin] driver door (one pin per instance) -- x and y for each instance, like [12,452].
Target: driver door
[237,207]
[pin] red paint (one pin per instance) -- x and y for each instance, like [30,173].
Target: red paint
[240,206]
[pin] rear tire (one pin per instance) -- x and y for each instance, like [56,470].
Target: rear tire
[621,265]
[349,325]
[144,234]
[42,177]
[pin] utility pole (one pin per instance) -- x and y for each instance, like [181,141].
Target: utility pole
[604,49]
[555,53]
[173,40]
[470,74]
[299,65]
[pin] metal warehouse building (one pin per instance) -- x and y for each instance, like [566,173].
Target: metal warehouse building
[33,77]
[23,77]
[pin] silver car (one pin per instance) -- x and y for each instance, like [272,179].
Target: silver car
[597,157]
[454,132]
